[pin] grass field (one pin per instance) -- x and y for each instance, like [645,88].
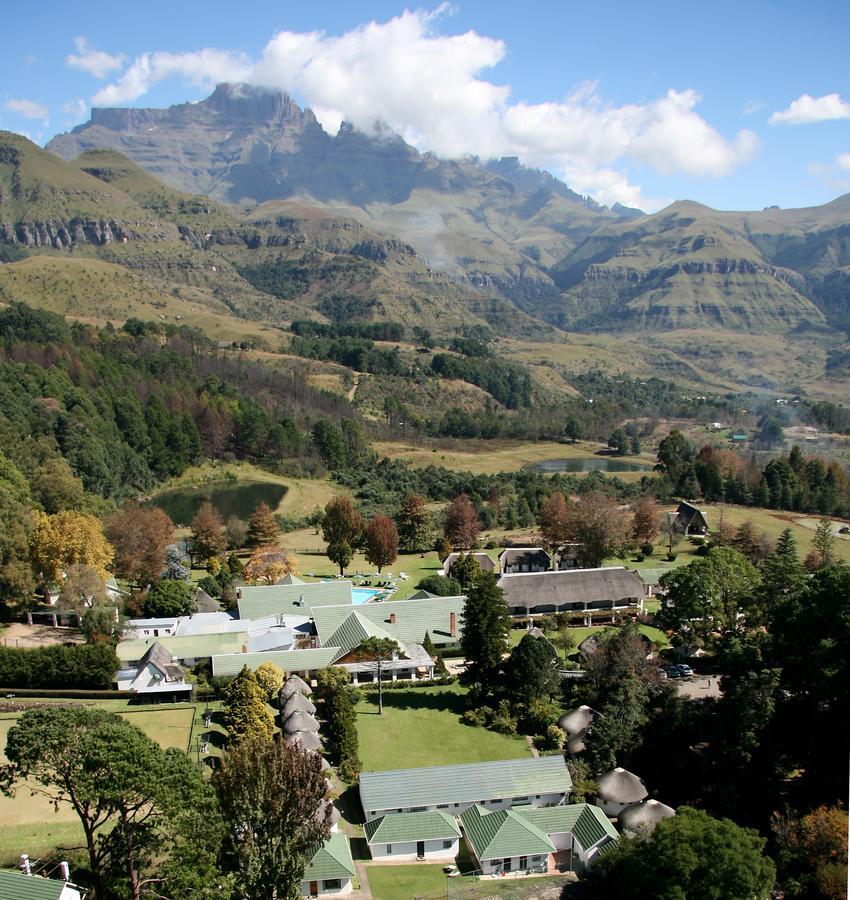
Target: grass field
[428,882]
[30,822]
[422,725]
[487,457]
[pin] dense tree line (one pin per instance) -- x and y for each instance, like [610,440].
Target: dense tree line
[371,331]
[356,353]
[508,382]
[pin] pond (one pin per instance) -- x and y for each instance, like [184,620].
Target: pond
[592,464]
[238,499]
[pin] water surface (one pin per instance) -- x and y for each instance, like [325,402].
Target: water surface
[229,498]
[592,464]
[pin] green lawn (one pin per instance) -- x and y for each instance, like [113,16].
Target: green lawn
[422,727]
[581,632]
[422,881]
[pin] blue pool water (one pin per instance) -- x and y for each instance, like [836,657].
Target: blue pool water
[363,595]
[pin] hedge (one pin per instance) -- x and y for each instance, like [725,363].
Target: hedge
[403,684]
[77,666]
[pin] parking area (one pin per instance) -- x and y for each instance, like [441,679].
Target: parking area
[698,686]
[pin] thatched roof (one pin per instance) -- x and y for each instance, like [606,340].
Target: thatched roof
[297,701]
[621,786]
[577,719]
[307,740]
[612,584]
[576,744]
[295,683]
[300,721]
[641,818]
[326,766]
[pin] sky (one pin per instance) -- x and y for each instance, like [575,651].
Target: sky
[736,105]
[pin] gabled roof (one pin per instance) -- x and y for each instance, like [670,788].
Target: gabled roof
[279,599]
[529,555]
[291,579]
[502,833]
[17,886]
[161,659]
[355,629]
[485,561]
[287,660]
[570,586]
[195,646]
[587,823]
[330,860]
[466,783]
[422,826]
[412,619]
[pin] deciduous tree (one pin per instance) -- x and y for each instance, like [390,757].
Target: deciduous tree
[65,538]
[82,587]
[598,524]
[270,564]
[342,523]
[140,535]
[272,795]
[270,678]
[170,598]
[381,542]
[645,518]
[553,520]
[462,523]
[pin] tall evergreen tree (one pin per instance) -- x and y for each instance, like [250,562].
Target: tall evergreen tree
[413,521]
[341,732]
[531,671]
[246,712]
[486,622]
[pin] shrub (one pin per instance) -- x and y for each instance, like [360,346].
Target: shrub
[479,716]
[647,549]
[210,585]
[503,722]
[639,557]
[551,739]
[672,557]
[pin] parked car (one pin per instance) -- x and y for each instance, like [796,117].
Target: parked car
[673,672]
[662,673]
[685,670]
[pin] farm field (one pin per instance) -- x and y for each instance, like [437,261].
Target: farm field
[421,726]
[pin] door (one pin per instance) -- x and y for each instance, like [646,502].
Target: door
[314,888]
[506,865]
[420,848]
[523,862]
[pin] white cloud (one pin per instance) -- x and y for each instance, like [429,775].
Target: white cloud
[75,110]
[30,109]
[96,62]
[807,109]
[201,68]
[753,106]
[843,160]
[431,89]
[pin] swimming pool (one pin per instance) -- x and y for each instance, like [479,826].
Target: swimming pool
[363,595]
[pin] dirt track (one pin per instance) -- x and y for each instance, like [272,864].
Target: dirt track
[19,635]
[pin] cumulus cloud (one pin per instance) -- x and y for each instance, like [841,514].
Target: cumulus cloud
[75,110]
[202,68]
[30,109]
[843,160]
[96,62]
[431,88]
[807,109]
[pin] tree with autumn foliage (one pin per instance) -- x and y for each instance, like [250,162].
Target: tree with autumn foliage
[381,542]
[140,535]
[645,519]
[812,853]
[263,529]
[342,527]
[415,529]
[553,520]
[67,538]
[208,537]
[246,713]
[270,564]
[598,524]
[462,523]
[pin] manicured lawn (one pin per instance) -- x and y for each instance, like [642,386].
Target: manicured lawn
[581,632]
[166,725]
[422,727]
[406,882]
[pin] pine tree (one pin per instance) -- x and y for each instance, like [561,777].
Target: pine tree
[413,521]
[486,622]
[341,732]
[434,653]
[263,529]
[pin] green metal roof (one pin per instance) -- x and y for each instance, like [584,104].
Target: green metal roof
[502,833]
[195,646]
[288,660]
[397,828]
[412,619]
[292,599]
[466,783]
[330,860]
[650,575]
[355,629]
[17,886]
[588,824]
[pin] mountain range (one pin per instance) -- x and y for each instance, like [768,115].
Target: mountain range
[245,204]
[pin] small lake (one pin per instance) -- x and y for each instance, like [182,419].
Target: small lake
[229,498]
[593,464]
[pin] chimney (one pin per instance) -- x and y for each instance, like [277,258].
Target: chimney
[244,648]
[24,864]
[392,618]
[65,869]
[238,593]
[452,624]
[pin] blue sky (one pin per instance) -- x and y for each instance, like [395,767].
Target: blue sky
[737,105]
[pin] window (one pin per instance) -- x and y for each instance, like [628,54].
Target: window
[523,862]
[447,844]
[520,798]
[537,796]
[443,805]
[332,884]
[389,848]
